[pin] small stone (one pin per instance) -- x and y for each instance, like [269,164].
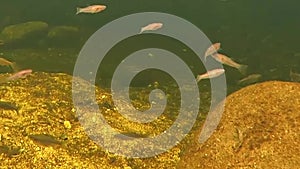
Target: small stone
[156,84]
[67,124]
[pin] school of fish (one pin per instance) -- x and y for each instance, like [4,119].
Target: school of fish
[212,51]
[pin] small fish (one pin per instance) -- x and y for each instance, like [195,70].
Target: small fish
[295,77]
[151,27]
[20,75]
[253,78]
[91,9]
[8,106]
[213,49]
[228,61]
[45,139]
[210,74]
[5,62]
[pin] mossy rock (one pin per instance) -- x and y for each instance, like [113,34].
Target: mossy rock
[259,129]
[63,32]
[22,31]
[64,36]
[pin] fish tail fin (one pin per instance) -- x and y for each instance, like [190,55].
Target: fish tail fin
[291,72]
[78,10]
[240,82]
[141,31]
[243,69]
[199,78]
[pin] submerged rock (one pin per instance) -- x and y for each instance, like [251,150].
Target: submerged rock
[64,36]
[62,32]
[260,128]
[22,31]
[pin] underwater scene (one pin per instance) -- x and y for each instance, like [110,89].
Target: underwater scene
[150,84]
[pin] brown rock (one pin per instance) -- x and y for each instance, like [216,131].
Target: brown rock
[260,128]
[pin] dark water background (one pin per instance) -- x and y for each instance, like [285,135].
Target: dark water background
[261,34]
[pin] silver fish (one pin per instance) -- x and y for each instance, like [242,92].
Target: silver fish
[91,9]
[151,27]
[20,75]
[253,78]
[5,62]
[228,61]
[210,74]
[213,49]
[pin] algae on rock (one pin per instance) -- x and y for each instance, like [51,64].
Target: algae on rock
[22,31]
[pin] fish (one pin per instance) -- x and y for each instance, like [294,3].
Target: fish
[151,27]
[210,74]
[253,78]
[229,62]
[8,106]
[91,9]
[45,139]
[5,62]
[20,75]
[213,49]
[295,77]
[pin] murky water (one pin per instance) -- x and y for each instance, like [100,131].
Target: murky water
[261,34]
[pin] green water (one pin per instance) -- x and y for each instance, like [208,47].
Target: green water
[261,34]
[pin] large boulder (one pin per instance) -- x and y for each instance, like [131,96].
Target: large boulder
[260,128]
